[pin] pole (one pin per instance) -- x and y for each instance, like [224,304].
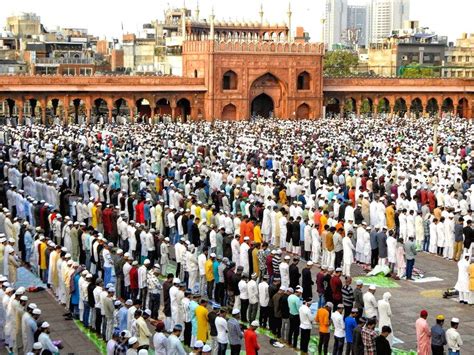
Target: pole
[435,135]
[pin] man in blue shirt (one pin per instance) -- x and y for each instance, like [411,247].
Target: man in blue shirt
[438,336]
[294,303]
[350,324]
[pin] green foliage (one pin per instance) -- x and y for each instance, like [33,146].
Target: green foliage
[365,107]
[339,63]
[415,71]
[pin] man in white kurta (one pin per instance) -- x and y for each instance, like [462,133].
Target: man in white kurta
[462,284]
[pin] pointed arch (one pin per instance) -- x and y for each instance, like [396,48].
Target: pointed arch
[304,81]
[229,112]
[229,80]
[303,111]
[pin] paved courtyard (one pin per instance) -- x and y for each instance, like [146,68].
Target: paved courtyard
[407,301]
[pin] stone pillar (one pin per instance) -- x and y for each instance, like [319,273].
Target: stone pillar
[66,115]
[20,108]
[88,115]
[132,114]
[173,113]
[43,116]
[110,111]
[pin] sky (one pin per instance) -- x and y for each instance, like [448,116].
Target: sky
[104,18]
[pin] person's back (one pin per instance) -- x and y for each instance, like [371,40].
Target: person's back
[382,346]
[251,343]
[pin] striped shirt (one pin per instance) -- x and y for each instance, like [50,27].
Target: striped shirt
[347,296]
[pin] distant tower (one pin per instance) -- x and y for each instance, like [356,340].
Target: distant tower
[261,13]
[289,13]
[197,10]
[212,24]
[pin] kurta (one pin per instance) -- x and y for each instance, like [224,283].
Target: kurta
[202,323]
[423,337]
[463,283]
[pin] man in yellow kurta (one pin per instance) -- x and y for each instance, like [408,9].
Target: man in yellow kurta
[256,266]
[202,321]
[94,219]
[470,270]
[390,216]
[257,233]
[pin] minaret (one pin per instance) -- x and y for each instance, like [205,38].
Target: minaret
[197,10]
[289,13]
[212,24]
[261,13]
[183,20]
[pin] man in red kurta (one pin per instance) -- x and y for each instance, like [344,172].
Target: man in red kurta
[107,221]
[251,341]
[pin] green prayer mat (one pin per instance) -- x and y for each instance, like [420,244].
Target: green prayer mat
[379,280]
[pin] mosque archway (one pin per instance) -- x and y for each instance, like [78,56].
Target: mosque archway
[416,107]
[383,106]
[163,108]
[263,106]
[350,105]
[100,107]
[229,112]
[463,107]
[432,107]
[447,105]
[143,109]
[267,93]
[303,111]
[184,109]
[400,107]
[121,110]
[332,106]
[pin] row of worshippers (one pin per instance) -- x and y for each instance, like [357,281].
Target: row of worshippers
[22,327]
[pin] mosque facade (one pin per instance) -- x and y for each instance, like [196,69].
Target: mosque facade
[233,71]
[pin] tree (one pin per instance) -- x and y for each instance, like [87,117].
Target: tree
[415,71]
[339,63]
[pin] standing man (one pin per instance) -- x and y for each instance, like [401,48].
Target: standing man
[423,334]
[235,332]
[305,325]
[294,304]
[339,330]
[307,281]
[322,318]
[438,336]
[370,303]
[453,338]
[263,299]
[251,342]
[410,253]
[222,331]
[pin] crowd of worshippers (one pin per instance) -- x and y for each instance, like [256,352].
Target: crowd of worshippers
[102,214]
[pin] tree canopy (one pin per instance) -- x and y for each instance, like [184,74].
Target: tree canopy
[339,62]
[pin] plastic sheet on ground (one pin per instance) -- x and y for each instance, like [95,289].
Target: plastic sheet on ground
[25,278]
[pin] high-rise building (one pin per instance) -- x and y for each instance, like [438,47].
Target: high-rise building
[356,32]
[385,16]
[335,22]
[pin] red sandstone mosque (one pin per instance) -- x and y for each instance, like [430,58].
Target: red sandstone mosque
[232,71]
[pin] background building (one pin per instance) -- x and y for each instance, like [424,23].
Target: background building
[410,47]
[356,30]
[335,23]
[385,16]
[459,58]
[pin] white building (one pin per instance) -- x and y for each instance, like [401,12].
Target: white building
[335,22]
[385,16]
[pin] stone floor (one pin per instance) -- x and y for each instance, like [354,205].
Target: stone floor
[406,302]
[74,341]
